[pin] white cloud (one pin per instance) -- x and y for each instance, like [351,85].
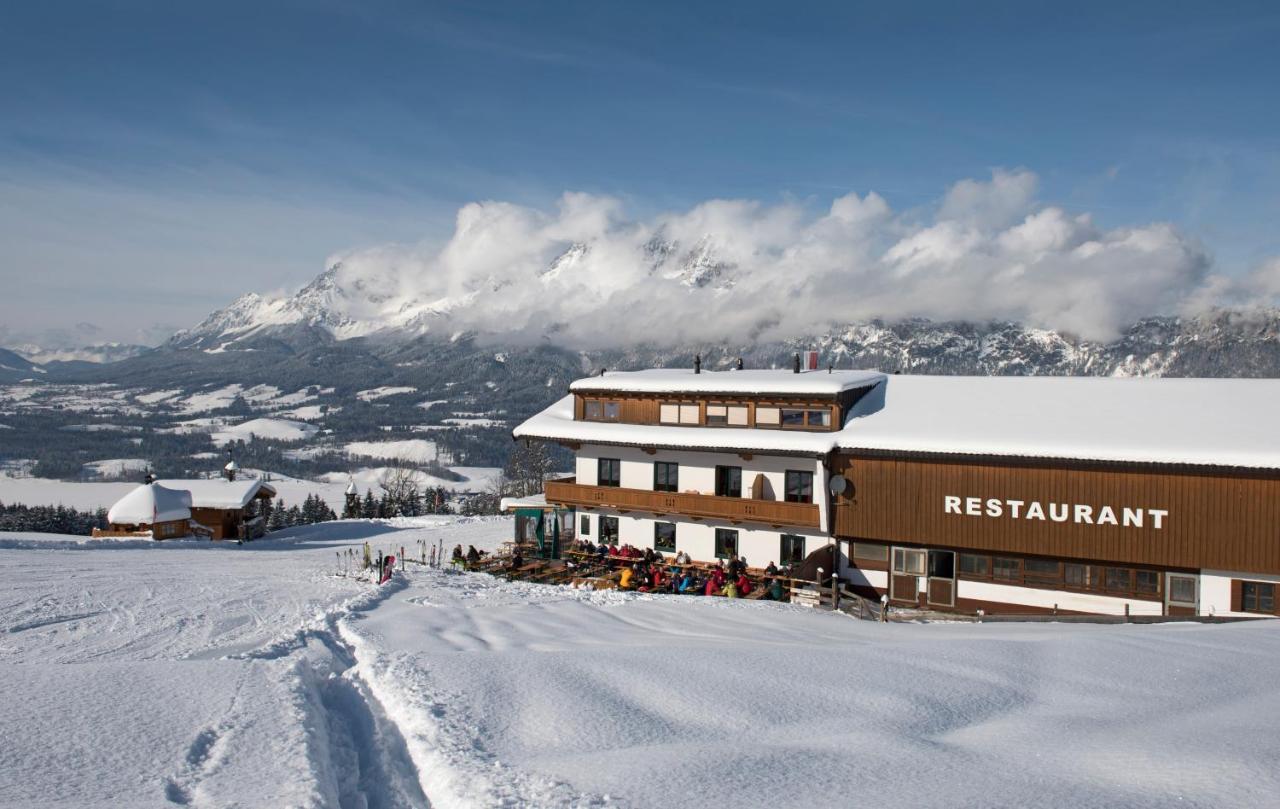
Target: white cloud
[728,270]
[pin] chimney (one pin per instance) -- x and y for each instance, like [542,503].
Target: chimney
[697,363]
[231,468]
[739,363]
[603,371]
[148,478]
[797,365]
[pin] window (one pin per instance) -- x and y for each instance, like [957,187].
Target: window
[608,472]
[1147,582]
[818,418]
[596,410]
[728,481]
[871,552]
[799,487]
[609,530]
[664,537]
[666,477]
[1007,569]
[719,415]
[792,552]
[1075,575]
[1182,589]
[974,565]
[584,528]
[908,562]
[726,543]
[1119,579]
[799,418]
[767,417]
[678,413]
[1256,596]
[792,418]
[1042,570]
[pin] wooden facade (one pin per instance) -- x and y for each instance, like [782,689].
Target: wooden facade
[645,408]
[1221,520]
[772,513]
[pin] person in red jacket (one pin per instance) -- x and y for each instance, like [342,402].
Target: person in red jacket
[744,584]
[711,589]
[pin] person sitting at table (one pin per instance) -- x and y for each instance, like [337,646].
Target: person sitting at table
[730,589]
[688,582]
[775,590]
[744,585]
[626,579]
[711,588]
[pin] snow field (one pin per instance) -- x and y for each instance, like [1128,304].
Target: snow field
[171,673]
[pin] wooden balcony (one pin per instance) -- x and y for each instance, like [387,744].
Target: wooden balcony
[773,513]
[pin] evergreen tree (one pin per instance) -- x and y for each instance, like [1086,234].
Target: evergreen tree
[279,517]
[370,509]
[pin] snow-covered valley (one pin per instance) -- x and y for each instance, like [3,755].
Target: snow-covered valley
[146,674]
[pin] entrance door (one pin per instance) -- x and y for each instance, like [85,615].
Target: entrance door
[1181,594]
[940,590]
[904,578]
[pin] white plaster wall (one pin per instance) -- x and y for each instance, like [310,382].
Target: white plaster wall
[1076,602]
[878,579]
[698,471]
[698,539]
[1215,591]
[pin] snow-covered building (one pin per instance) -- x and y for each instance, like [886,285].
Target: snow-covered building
[161,511]
[214,507]
[1002,494]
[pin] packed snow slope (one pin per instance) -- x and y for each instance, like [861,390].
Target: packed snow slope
[136,674]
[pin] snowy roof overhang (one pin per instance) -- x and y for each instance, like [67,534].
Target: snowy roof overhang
[683,381]
[221,493]
[556,423]
[150,504]
[1203,422]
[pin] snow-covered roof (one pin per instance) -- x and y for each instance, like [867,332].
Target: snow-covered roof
[513,503]
[742,383]
[220,492]
[149,504]
[556,423]
[1218,422]
[1214,422]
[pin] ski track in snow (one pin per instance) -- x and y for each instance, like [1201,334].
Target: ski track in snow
[192,675]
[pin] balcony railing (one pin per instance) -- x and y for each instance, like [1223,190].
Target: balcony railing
[773,513]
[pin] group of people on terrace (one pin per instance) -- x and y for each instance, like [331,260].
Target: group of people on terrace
[649,571]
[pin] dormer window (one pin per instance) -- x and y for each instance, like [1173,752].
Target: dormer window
[600,410]
[726,415]
[679,413]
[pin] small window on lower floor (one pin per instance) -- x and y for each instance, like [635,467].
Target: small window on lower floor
[1182,589]
[1147,582]
[1042,569]
[726,543]
[870,551]
[974,565]
[792,551]
[1256,596]
[1119,579]
[1006,568]
[609,530]
[584,528]
[1075,575]
[664,537]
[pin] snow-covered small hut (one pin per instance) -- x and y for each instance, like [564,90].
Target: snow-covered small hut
[221,505]
[160,511]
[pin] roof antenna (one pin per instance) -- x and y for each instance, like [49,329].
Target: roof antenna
[697,363]
[797,364]
[739,363]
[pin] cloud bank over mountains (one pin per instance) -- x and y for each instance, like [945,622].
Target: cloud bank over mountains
[586,275]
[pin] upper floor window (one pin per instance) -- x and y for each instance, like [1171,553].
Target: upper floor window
[666,477]
[608,472]
[600,410]
[805,419]
[799,487]
[678,413]
[728,481]
[726,415]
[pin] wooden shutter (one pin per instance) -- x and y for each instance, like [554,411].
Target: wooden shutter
[1237,595]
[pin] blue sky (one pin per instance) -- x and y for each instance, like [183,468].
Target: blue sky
[161,158]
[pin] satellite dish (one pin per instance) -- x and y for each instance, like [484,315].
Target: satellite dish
[838,485]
